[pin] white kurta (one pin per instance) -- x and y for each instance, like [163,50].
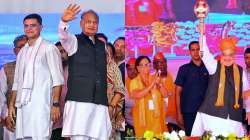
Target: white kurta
[7,135]
[33,119]
[3,91]
[204,122]
[59,123]
[82,120]
[86,119]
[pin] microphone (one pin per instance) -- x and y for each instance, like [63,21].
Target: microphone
[159,72]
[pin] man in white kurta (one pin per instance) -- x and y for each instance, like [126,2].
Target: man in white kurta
[217,125]
[37,84]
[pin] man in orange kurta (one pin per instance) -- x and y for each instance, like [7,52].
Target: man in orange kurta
[160,66]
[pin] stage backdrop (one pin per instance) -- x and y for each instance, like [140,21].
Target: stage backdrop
[12,12]
[170,25]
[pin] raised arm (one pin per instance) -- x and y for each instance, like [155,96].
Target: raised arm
[207,58]
[69,41]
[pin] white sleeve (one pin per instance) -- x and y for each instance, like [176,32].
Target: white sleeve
[68,41]
[208,58]
[245,87]
[18,60]
[245,82]
[3,82]
[3,91]
[55,65]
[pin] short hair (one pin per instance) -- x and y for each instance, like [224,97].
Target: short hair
[112,48]
[102,35]
[247,51]
[191,43]
[119,38]
[19,38]
[139,59]
[90,12]
[127,65]
[58,44]
[34,16]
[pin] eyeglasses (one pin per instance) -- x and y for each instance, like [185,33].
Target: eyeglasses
[91,22]
[144,65]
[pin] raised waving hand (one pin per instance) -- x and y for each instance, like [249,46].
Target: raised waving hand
[70,12]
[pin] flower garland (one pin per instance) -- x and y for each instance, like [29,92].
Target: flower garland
[149,135]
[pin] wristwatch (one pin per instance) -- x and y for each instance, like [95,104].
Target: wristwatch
[56,104]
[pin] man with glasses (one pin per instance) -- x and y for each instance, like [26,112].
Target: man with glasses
[222,109]
[37,85]
[86,112]
[6,82]
[191,84]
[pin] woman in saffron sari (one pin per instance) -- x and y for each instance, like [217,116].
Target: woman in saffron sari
[148,112]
